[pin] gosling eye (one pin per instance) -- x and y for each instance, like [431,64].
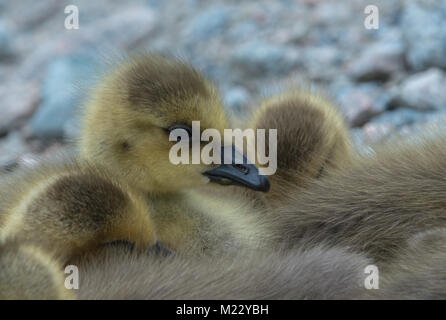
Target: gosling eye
[187,128]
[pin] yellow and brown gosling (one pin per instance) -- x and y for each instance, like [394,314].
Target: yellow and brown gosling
[69,208]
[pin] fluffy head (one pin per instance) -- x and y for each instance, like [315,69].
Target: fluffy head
[311,133]
[127,121]
[312,139]
[72,209]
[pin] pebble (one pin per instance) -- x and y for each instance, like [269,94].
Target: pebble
[424,90]
[401,117]
[236,98]
[60,104]
[19,100]
[11,148]
[424,27]
[361,104]
[378,62]
[321,62]
[258,58]
[210,22]
[376,132]
[6,46]
[123,30]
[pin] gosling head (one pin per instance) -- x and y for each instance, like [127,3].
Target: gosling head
[78,209]
[133,111]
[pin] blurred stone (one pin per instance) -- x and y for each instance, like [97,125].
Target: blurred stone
[401,117]
[237,97]
[321,61]
[108,37]
[425,90]
[360,104]
[18,100]
[27,18]
[298,32]
[378,62]
[258,58]
[424,28]
[154,3]
[11,148]
[243,30]
[208,23]
[59,101]
[333,13]
[375,132]
[125,29]
[6,48]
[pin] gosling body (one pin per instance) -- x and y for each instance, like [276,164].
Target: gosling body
[377,204]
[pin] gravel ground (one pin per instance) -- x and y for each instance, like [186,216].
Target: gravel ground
[388,81]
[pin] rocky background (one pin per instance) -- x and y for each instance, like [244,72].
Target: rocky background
[387,82]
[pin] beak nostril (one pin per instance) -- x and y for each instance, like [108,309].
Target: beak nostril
[232,171]
[241,168]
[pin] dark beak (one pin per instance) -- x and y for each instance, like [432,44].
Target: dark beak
[238,172]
